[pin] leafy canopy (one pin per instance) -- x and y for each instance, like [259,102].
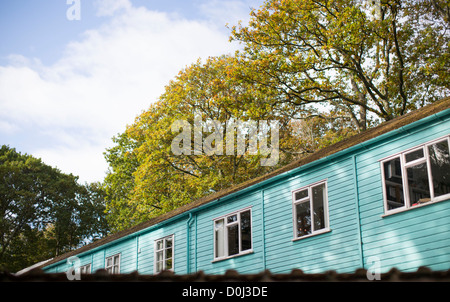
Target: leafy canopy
[323,69]
[43,212]
[363,59]
[147,179]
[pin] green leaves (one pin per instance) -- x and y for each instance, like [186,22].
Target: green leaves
[358,57]
[324,69]
[43,212]
[147,179]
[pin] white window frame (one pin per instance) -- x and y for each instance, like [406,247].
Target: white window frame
[85,269]
[164,260]
[405,186]
[325,206]
[225,236]
[113,265]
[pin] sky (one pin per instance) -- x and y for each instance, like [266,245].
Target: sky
[75,73]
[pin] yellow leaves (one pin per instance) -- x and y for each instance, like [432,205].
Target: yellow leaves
[162,180]
[296,54]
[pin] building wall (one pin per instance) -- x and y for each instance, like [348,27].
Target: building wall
[136,252]
[205,236]
[359,231]
[407,240]
[333,250]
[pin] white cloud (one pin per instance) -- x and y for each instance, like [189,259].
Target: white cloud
[110,7]
[227,12]
[7,127]
[85,161]
[103,81]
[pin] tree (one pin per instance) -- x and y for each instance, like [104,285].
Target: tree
[146,178]
[362,59]
[323,69]
[43,212]
[119,182]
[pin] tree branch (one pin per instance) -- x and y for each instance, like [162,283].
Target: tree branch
[400,59]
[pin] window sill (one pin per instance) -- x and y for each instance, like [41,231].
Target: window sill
[402,210]
[323,231]
[233,256]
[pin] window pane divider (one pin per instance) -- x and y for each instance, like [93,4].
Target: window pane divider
[310,200]
[426,159]
[225,239]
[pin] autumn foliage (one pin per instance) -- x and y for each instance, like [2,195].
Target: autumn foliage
[324,70]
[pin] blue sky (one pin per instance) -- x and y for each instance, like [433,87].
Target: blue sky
[68,86]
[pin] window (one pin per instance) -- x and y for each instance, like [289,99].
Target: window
[416,176]
[85,269]
[233,234]
[310,209]
[164,254]
[112,265]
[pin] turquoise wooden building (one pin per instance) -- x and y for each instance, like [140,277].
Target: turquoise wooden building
[380,198]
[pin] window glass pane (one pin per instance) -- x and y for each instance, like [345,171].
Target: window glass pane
[169,263]
[219,232]
[168,253]
[86,269]
[109,262]
[116,260]
[414,155]
[219,224]
[168,242]
[231,219]
[159,256]
[301,194]
[440,168]
[159,244]
[318,199]
[418,185]
[159,267]
[393,184]
[246,232]
[303,219]
[233,240]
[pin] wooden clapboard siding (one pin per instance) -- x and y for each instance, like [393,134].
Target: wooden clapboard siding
[205,233]
[333,250]
[137,252]
[407,240]
[146,247]
[359,228]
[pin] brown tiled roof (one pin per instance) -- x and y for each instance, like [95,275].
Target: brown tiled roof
[384,128]
[296,275]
